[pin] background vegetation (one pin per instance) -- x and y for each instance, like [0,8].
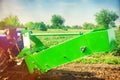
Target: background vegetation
[104,19]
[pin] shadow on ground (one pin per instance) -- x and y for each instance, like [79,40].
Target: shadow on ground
[69,75]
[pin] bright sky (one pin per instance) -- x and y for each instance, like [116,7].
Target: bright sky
[75,12]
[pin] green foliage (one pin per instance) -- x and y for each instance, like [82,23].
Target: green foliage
[57,22]
[42,26]
[30,25]
[10,21]
[88,26]
[116,52]
[38,26]
[119,27]
[75,27]
[106,18]
[117,34]
[48,26]
[97,58]
[68,27]
[112,24]
[2,25]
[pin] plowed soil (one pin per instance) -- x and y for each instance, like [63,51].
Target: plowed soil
[72,71]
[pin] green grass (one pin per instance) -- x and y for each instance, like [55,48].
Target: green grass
[106,58]
[96,58]
[117,34]
[50,41]
[60,31]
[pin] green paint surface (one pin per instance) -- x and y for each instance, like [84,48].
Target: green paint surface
[70,50]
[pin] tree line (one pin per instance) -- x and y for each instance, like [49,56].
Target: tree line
[104,19]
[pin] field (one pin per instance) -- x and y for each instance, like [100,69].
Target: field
[99,66]
[50,41]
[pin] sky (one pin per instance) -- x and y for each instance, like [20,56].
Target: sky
[75,12]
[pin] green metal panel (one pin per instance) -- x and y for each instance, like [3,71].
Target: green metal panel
[38,44]
[98,41]
[82,45]
[60,54]
[56,34]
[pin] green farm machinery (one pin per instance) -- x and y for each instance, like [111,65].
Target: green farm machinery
[65,52]
[82,45]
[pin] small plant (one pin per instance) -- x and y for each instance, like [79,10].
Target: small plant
[116,52]
[106,58]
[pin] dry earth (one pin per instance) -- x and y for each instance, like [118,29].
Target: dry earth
[72,71]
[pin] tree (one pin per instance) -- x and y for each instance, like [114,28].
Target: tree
[75,26]
[57,22]
[48,26]
[68,27]
[2,24]
[42,26]
[10,21]
[36,25]
[88,26]
[106,18]
[30,25]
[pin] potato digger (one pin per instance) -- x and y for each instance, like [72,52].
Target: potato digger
[16,46]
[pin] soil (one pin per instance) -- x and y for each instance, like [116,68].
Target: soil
[72,71]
